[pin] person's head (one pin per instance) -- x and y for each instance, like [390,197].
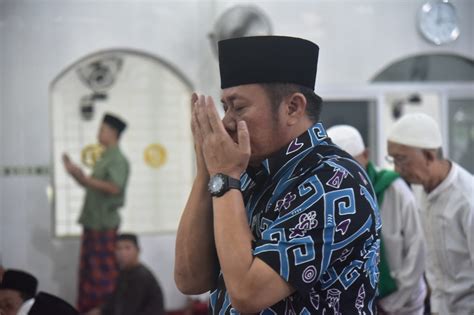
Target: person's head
[414,146]
[268,82]
[110,130]
[127,250]
[16,287]
[49,304]
[350,140]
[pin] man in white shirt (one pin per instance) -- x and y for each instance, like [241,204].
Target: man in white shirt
[447,211]
[17,291]
[402,288]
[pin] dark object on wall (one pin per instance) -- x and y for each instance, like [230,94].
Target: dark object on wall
[87,105]
[240,21]
[100,75]
[398,104]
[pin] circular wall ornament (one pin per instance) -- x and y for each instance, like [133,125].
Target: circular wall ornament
[155,155]
[91,153]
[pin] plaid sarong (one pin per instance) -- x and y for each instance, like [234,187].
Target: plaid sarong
[98,270]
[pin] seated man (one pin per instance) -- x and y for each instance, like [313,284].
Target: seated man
[137,291]
[17,292]
[48,304]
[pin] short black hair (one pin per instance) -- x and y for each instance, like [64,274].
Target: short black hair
[129,237]
[278,91]
[115,123]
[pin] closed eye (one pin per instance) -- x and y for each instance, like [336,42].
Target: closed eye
[225,107]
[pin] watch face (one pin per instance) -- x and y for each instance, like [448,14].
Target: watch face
[216,183]
[438,22]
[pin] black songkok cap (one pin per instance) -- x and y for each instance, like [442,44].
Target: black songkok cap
[115,122]
[47,304]
[268,59]
[129,237]
[19,281]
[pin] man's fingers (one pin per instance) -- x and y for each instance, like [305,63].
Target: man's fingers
[194,98]
[195,127]
[244,137]
[201,116]
[213,116]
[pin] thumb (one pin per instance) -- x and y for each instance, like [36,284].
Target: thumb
[243,137]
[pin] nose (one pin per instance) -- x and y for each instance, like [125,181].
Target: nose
[229,122]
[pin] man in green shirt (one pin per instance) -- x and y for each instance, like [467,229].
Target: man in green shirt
[105,194]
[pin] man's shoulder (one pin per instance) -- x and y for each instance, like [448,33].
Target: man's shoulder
[121,156]
[400,187]
[464,178]
[118,159]
[462,186]
[143,270]
[144,273]
[334,162]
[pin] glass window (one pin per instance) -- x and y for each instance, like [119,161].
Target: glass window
[359,114]
[461,132]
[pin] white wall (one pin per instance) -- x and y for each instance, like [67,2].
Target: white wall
[40,38]
[1,115]
[358,38]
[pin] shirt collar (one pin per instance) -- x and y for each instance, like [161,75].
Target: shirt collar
[446,183]
[313,136]
[111,150]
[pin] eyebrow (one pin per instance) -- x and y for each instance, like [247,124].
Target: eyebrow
[231,98]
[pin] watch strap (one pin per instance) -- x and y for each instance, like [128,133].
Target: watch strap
[233,183]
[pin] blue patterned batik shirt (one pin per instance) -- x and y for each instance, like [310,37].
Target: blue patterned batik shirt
[314,217]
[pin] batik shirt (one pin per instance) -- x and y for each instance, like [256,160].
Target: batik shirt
[315,221]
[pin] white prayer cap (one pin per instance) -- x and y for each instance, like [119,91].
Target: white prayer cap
[416,130]
[347,138]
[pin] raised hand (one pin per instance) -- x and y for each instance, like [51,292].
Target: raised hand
[221,153]
[68,164]
[74,170]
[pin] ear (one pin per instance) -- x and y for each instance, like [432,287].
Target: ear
[295,108]
[429,155]
[366,154]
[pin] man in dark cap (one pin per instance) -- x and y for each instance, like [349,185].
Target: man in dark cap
[279,219]
[17,292]
[105,194]
[48,304]
[137,291]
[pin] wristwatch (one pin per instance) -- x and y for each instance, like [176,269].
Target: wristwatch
[220,183]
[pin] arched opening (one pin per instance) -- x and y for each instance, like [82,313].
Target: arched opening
[428,68]
[153,97]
